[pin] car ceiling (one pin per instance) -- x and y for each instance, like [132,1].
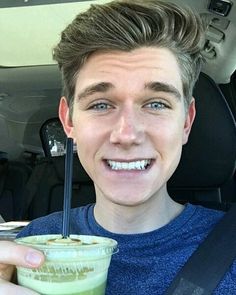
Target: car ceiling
[30,81]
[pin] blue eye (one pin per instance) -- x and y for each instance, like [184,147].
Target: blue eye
[156,105]
[101,106]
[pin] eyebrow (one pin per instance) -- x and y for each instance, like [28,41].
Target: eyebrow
[106,86]
[163,87]
[98,87]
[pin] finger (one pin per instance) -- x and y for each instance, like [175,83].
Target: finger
[11,289]
[12,253]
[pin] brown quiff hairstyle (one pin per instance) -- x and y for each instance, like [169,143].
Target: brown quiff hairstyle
[127,25]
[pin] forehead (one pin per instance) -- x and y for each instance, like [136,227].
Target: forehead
[133,69]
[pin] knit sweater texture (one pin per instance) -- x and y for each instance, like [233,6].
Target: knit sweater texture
[146,263]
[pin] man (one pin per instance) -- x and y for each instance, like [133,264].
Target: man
[128,69]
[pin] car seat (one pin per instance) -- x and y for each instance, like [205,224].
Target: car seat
[208,159]
[13,178]
[45,190]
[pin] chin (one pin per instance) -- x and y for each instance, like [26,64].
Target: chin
[132,195]
[128,201]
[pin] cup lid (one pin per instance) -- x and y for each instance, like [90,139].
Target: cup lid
[87,246]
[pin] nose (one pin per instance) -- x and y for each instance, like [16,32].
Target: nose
[128,130]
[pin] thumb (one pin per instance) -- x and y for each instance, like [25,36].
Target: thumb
[14,254]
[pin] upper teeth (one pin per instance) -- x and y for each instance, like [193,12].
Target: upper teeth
[135,165]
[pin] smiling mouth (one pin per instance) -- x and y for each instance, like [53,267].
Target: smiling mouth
[132,165]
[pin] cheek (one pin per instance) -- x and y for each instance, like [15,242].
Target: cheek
[168,133]
[85,143]
[84,137]
[88,137]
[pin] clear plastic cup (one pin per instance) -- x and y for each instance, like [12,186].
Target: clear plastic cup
[70,268]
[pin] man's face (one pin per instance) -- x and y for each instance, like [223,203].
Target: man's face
[129,122]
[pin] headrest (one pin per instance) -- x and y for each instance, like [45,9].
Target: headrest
[209,157]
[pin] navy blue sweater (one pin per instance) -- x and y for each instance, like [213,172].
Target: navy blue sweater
[146,263]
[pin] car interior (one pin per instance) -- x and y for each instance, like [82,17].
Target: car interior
[32,145]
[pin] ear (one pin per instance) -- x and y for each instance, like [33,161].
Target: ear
[64,115]
[190,116]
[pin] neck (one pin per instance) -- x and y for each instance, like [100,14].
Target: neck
[158,211]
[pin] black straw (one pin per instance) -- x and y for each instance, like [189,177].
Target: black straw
[67,188]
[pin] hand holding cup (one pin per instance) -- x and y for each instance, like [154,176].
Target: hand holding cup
[12,255]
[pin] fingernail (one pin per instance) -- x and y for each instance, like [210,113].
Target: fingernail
[33,258]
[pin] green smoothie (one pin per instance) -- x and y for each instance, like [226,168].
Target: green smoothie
[77,267]
[100,290]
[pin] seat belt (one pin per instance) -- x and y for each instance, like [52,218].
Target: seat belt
[208,264]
